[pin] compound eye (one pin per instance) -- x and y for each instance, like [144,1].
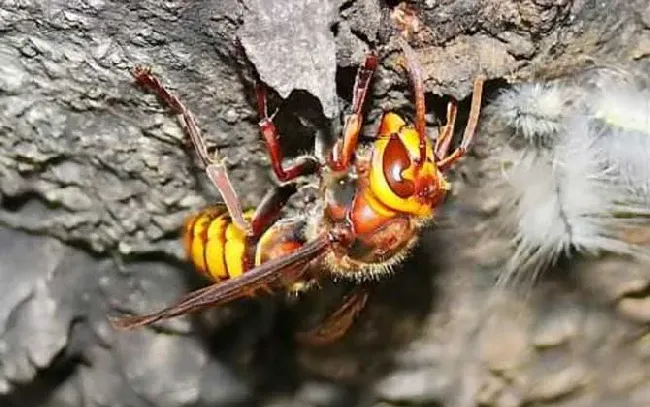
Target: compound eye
[396,160]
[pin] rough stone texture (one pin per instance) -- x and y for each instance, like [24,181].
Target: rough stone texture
[95,182]
[305,28]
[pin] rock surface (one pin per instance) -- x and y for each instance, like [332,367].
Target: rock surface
[95,182]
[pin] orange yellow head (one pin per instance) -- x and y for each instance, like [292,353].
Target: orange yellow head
[397,177]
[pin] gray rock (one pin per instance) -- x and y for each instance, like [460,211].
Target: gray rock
[95,182]
[277,37]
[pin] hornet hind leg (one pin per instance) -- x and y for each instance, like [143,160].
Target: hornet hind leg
[214,166]
[338,323]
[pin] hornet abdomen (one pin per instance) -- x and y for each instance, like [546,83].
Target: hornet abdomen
[217,248]
[220,250]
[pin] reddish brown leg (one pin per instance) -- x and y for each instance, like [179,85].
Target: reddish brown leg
[344,149]
[470,130]
[443,142]
[336,324]
[304,165]
[214,167]
[417,81]
[269,209]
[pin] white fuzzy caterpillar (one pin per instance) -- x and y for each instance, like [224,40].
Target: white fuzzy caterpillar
[532,111]
[576,170]
[621,115]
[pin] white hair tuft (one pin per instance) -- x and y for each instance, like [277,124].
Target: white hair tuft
[588,189]
[533,111]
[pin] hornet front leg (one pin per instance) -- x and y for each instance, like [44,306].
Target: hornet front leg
[306,165]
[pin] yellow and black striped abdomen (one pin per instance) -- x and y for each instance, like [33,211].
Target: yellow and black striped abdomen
[215,245]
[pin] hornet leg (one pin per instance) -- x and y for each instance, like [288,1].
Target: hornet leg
[304,166]
[214,167]
[343,151]
[470,130]
[337,323]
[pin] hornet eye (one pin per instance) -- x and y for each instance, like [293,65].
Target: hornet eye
[396,160]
